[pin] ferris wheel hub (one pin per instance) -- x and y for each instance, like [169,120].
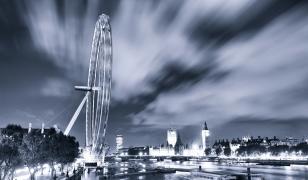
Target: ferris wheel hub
[87,88]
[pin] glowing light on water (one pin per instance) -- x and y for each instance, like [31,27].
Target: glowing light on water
[140,177]
[293,156]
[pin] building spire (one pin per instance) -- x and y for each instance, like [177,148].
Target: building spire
[205,126]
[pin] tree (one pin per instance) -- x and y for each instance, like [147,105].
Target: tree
[276,150]
[207,151]
[227,151]
[218,150]
[32,152]
[53,146]
[59,148]
[10,159]
[301,147]
[33,149]
[70,152]
[251,149]
[15,132]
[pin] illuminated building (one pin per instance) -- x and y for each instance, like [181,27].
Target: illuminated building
[119,142]
[290,141]
[138,151]
[205,133]
[161,151]
[193,151]
[172,137]
[134,151]
[123,151]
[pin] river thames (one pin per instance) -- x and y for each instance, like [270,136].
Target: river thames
[190,170]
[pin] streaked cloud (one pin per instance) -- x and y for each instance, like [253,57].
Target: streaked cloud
[183,62]
[267,68]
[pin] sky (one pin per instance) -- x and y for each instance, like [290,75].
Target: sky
[239,65]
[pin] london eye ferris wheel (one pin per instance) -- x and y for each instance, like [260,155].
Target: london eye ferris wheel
[98,89]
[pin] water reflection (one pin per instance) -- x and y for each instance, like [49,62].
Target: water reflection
[296,172]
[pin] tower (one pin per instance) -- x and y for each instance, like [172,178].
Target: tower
[178,147]
[30,127]
[172,137]
[119,142]
[204,133]
[43,127]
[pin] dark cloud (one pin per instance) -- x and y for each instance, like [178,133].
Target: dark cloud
[175,75]
[256,16]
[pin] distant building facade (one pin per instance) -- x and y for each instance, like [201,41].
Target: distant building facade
[173,147]
[172,137]
[119,142]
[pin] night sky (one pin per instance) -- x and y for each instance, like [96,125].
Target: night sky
[240,65]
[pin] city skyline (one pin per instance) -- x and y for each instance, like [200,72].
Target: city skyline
[240,66]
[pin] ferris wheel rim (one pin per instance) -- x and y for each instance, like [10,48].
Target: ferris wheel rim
[100,90]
